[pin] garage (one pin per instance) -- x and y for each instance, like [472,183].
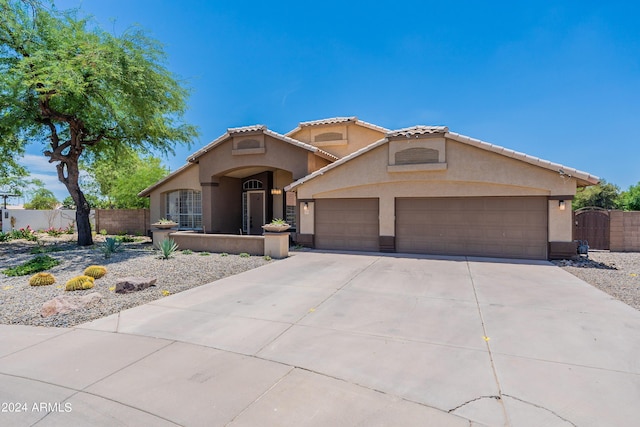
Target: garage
[509,227]
[347,224]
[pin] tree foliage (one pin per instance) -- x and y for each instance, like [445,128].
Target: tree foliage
[81,91]
[42,199]
[120,179]
[630,199]
[604,195]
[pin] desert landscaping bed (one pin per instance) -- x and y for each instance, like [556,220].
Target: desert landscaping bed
[21,303]
[616,273]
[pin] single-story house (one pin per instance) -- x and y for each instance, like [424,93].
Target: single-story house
[345,184]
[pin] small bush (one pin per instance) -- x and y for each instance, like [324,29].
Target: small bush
[187,252]
[34,265]
[125,239]
[267,258]
[167,248]
[24,233]
[103,232]
[95,271]
[204,253]
[42,279]
[54,232]
[244,255]
[110,246]
[79,283]
[5,237]
[224,254]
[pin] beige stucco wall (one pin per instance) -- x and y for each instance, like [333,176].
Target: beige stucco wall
[560,222]
[470,171]
[186,180]
[357,136]
[277,155]
[307,218]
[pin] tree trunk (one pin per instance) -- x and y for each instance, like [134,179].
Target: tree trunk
[83,210]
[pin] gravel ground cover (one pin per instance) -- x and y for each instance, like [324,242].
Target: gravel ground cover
[616,273]
[21,303]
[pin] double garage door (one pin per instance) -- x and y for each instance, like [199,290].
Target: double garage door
[510,227]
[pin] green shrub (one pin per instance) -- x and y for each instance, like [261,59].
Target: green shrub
[111,246]
[95,271]
[267,258]
[42,279]
[34,265]
[5,237]
[187,252]
[204,253]
[244,255]
[103,232]
[79,283]
[24,233]
[224,254]
[167,248]
[125,239]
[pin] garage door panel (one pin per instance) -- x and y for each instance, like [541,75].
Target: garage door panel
[347,224]
[514,227]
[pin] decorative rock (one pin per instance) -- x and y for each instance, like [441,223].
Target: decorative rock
[133,284]
[65,304]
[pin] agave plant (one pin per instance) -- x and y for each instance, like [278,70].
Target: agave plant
[111,246]
[167,247]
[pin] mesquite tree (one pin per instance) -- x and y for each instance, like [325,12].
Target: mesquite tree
[81,91]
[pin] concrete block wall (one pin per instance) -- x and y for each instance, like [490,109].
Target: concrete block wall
[624,231]
[130,221]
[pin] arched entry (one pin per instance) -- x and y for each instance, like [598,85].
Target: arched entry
[592,224]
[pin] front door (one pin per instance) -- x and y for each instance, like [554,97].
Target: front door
[256,211]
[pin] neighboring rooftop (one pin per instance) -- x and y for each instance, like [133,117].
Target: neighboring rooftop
[417,131]
[338,120]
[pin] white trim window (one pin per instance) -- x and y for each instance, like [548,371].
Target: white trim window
[185,208]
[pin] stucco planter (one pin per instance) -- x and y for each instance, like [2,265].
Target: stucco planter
[165,225]
[273,228]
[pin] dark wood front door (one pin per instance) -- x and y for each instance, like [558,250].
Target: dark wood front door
[256,211]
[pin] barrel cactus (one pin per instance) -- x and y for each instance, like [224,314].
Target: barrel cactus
[42,279]
[95,271]
[79,283]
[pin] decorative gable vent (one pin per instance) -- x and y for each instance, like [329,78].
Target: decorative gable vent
[415,156]
[328,136]
[248,143]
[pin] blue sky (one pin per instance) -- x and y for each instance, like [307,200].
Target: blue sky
[557,80]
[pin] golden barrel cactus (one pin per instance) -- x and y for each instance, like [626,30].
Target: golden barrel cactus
[79,283]
[95,271]
[42,279]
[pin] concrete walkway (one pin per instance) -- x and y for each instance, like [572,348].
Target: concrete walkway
[323,339]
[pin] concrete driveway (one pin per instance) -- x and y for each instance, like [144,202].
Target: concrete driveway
[342,340]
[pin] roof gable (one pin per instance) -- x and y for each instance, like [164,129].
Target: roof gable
[583,178]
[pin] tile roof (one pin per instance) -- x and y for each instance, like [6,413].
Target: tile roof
[417,131]
[258,128]
[246,129]
[337,120]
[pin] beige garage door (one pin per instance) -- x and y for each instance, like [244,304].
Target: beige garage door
[510,227]
[349,224]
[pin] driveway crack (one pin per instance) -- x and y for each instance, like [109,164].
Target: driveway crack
[486,339]
[541,407]
[473,400]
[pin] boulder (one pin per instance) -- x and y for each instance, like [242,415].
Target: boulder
[133,284]
[65,303]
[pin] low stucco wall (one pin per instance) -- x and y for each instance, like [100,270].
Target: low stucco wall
[229,243]
[40,219]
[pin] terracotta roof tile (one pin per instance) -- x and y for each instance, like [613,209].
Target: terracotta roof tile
[418,130]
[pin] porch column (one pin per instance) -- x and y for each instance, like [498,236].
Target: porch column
[207,205]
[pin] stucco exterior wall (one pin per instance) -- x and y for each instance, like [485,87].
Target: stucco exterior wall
[356,137]
[186,180]
[469,172]
[277,154]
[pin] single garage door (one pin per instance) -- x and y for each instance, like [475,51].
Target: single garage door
[346,224]
[510,227]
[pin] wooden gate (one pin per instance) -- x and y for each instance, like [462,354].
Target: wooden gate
[592,224]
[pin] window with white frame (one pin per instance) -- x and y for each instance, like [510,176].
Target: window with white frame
[185,208]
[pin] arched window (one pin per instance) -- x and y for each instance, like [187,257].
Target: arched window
[185,208]
[252,184]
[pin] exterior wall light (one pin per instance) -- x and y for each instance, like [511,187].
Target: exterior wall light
[276,191]
[561,205]
[305,208]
